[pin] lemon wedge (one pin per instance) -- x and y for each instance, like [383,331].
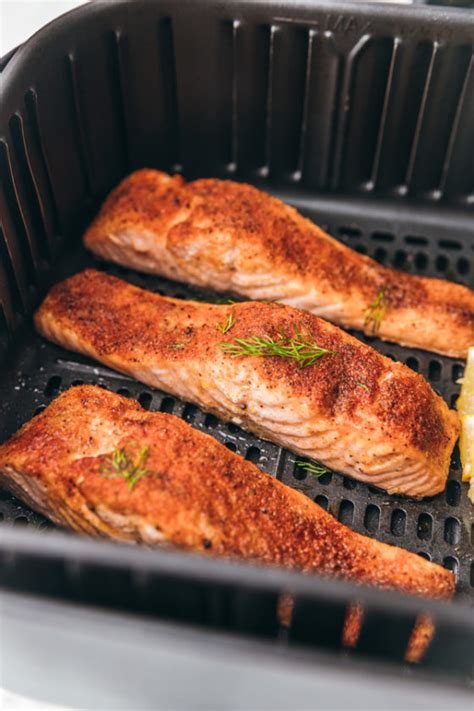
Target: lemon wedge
[465,406]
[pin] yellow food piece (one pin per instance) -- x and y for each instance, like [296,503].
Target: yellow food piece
[466,447]
[465,406]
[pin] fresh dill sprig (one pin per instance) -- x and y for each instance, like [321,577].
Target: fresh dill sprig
[315,469]
[360,384]
[122,464]
[228,323]
[303,349]
[375,312]
[223,302]
[177,346]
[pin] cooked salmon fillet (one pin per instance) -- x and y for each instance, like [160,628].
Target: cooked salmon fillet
[232,237]
[192,492]
[352,409]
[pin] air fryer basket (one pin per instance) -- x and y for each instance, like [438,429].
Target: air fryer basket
[361,116]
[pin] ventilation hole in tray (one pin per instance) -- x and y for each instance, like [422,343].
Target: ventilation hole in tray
[346,512]
[52,386]
[75,383]
[456,458]
[39,409]
[349,483]
[253,454]
[325,478]
[441,263]
[361,248]
[4,495]
[398,522]
[424,527]
[453,492]
[145,400]
[399,259]
[413,363]
[416,240]
[458,372]
[462,266]
[372,518]
[233,429]
[453,400]
[451,563]
[352,232]
[434,370]
[374,489]
[424,555]
[382,236]
[125,392]
[322,501]
[167,405]
[380,255]
[211,421]
[449,244]
[452,531]
[20,521]
[299,473]
[421,261]
[231,446]
[189,412]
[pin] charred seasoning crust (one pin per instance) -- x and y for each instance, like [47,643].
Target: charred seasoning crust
[267,229]
[198,494]
[137,325]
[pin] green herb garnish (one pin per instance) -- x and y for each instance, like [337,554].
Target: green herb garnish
[122,464]
[303,349]
[224,301]
[228,323]
[360,384]
[315,470]
[376,311]
[177,346]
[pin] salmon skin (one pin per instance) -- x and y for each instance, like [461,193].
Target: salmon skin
[232,237]
[176,485]
[352,409]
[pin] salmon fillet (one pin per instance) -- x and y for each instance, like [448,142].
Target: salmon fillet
[353,409]
[192,492]
[232,237]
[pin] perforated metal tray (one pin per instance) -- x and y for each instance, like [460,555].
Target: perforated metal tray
[439,528]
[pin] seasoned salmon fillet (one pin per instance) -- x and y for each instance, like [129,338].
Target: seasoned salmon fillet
[349,407]
[98,463]
[232,237]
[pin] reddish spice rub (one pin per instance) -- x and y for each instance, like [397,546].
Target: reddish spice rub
[354,391]
[195,494]
[231,236]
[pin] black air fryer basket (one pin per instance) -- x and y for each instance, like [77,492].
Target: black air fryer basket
[362,116]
